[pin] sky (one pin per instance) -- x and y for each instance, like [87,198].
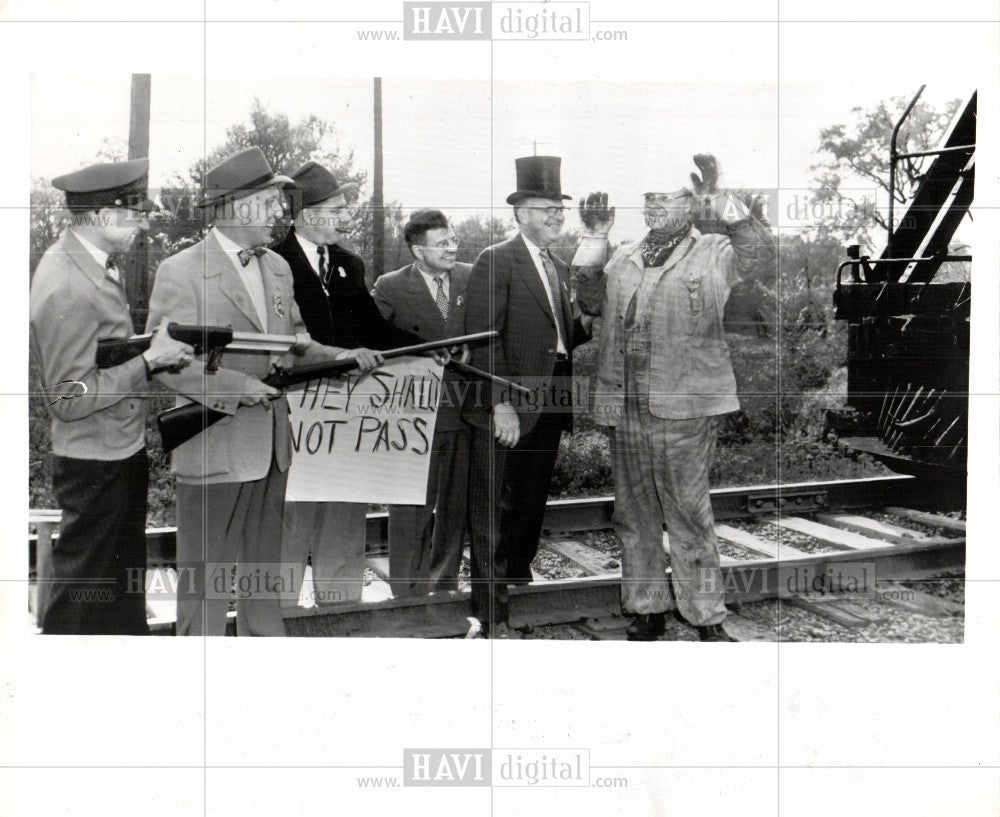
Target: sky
[439,135]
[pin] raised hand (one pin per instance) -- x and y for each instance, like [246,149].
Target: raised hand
[595,214]
[708,181]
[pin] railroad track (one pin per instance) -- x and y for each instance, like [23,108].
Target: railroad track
[774,542]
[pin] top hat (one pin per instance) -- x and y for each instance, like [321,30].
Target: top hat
[111,184]
[537,177]
[239,175]
[315,184]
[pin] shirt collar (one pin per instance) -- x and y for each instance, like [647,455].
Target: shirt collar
[230,248]
[429,279]
[227,244]
[100,256]
[309,247]
[533,248]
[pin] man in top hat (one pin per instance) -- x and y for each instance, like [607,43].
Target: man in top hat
[93,579]
[663,382]
[231,478]
[338,310]
[521,289]
[428,296]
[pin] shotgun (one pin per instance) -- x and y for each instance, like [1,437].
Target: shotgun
[180,424]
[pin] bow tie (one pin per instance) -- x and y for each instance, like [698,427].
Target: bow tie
[252,252]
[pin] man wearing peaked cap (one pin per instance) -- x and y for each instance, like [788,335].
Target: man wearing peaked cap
[231,478]
[92,580]
[337,308]
[521,289]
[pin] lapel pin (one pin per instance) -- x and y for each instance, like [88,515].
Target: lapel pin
[343,273]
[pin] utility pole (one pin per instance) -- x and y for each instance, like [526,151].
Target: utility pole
[378,208]
[137,273]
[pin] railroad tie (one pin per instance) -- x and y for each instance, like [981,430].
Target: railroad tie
[933,519]
[848,540]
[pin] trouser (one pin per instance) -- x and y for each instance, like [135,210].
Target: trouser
[229,536]
[426,541]
[93,579]
[332,536]
[661,478]
[508,489]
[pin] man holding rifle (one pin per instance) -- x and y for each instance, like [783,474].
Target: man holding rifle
[231,478]
[87,581]
[338,310]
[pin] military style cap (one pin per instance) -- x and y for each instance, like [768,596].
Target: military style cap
[240,175]
[315,184]
[110,184]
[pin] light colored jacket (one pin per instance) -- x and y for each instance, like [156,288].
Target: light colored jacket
[200,285]
[74,303]
[691,374]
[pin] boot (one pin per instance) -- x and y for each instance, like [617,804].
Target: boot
[646,627]
[714,632]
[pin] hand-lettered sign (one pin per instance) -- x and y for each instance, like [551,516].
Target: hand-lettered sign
[365,437]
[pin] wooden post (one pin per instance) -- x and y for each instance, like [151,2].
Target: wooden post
[137,272]
[378,206]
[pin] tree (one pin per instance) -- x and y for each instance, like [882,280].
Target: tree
[858,152]
[286,146]
[49,217]
[475,233]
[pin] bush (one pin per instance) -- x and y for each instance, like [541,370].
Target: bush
[583,466]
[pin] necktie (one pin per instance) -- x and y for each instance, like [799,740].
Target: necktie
[555,287]
[252,252]
[324,272]
[112,265]
[440,298]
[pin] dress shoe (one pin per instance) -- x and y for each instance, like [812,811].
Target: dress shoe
[647,627]
[714,632]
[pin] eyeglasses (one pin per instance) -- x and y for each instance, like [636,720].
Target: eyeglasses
[550,211]
[445,244]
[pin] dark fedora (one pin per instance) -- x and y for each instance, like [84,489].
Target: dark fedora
[240,175]
[315,184]
[537,177]
[110,184]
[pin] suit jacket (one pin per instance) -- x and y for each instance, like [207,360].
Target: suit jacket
[201,285]
[506,294]
[74,303]
[405,300]
[341,312]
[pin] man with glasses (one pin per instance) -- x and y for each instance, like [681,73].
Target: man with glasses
[428,297]
[521,289]
[91,581]
[663,382]
[231,478]
[338,310]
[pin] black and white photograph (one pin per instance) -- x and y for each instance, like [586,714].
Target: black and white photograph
[408,340]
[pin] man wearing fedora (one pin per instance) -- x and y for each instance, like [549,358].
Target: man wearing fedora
[428,296]
[338,310]
[663,381]
[92,580]
[521,289]
[231,478]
